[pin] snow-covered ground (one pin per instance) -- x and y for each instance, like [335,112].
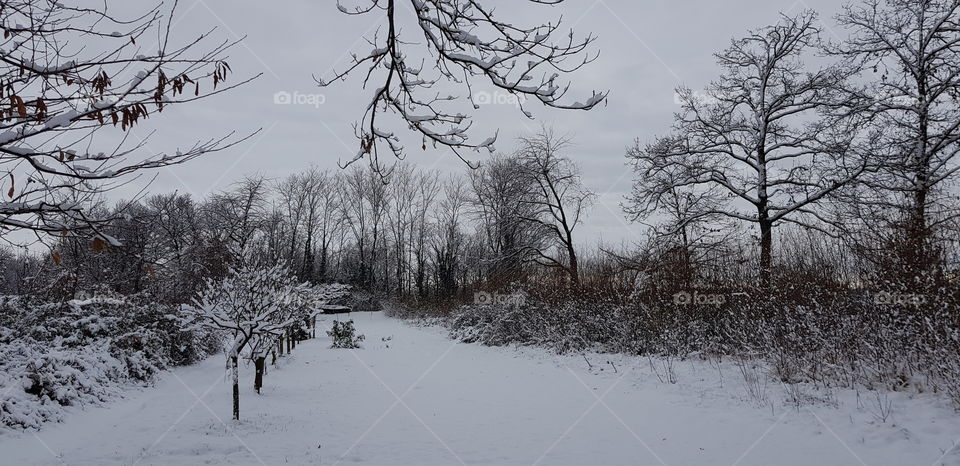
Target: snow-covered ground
[412,396]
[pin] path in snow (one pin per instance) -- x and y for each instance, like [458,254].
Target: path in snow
[413,397]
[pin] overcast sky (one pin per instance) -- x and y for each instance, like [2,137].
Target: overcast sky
[647,48]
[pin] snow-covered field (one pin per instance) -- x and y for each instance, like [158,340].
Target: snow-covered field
[412,396]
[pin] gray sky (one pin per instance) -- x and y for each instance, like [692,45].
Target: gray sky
[647,48]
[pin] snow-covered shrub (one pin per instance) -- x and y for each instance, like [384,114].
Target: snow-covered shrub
[565,327]
[363,301]
[79,352]
[832,337]
[344,335]
[74,376]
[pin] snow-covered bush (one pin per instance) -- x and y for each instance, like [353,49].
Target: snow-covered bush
[73,376]
[344,335]
[804,334]
[80,352]
[564,327]
[364,301]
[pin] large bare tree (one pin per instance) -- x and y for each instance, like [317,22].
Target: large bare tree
[912,49]
[237,218]
[762,140]
[502,199]
[449,241]
[559,197]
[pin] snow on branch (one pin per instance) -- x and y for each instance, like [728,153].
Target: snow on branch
[69,74]
[252,303]
[465,41]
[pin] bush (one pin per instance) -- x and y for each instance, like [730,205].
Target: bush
[362,301]
[78,352]
[344,335]
[804,333]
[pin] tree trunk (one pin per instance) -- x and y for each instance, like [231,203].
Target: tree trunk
[766,250]
[235,373]
[308,258]
[421,275]
[574,264]
[323,262]
[259,364]
[918,260]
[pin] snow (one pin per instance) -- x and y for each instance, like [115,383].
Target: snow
[413,396]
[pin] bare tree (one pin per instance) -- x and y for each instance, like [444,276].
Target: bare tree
[464,41]
[914,47]
[178,232]
[403,194]
[352,195]
[330,221]
[69,74]
[238,216]
[421,227]
[559,199]
[449,242]
[365,199]
[294,194]
[378,201]
[502,204]
[319,190]
[761,137]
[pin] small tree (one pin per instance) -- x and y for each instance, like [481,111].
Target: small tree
[344,335]
[305,303]
[254,306]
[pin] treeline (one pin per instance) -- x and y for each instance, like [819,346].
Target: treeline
[421,235]
[806,160]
